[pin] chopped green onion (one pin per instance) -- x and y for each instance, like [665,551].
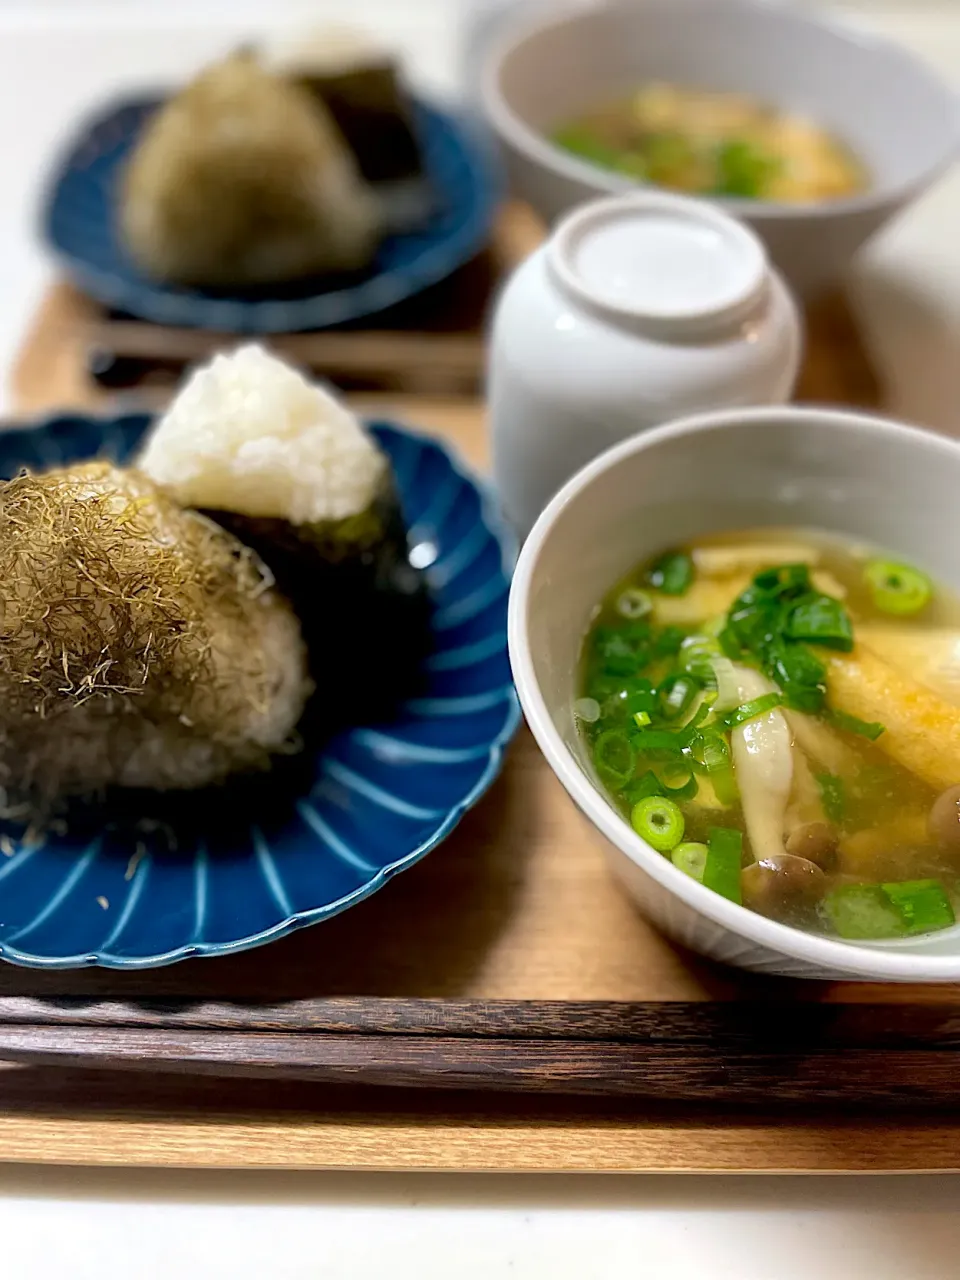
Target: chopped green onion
[614,758]
[687,791]
[600,686]
[755,707]
[583,142]
[710,750]
[616,652]
[648,785]
[721,872]
[676,694]
[677,780]
[665,153]
[667,643]
[691,858]
[658,821]
[729,643]
[672,573]
[658,740]
[724,783]
[865,728]
[784,580]
[633,603]
[631,162]
[696,656]
[863,912]
[897,588]
[923,905]
[638,695]
[743,169]
[642,719]
[587,710]
[833,796]
[799,673]
[821,620]
[702,712]
[758,625]
[728,683]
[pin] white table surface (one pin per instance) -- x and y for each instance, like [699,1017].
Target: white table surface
[78,1225]
[58,57]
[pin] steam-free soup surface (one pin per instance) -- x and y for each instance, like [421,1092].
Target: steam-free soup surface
[717,144]
[778,714]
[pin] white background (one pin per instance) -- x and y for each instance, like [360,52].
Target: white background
[61,57]
[75,1225]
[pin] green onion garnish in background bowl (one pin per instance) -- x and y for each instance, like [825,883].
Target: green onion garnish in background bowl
[897,588]
[671,573]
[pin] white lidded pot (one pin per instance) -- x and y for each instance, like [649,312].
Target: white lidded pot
[639,309]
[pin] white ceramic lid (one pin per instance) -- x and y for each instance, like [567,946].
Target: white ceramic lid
[668,263]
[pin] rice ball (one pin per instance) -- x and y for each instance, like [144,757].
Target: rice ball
[244,179]
[141,645]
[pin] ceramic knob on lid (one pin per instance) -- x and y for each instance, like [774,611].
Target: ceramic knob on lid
[638,309]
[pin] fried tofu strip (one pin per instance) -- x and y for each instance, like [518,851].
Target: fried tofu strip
[928,654]
[710,596]
[706,599]
[922,730]
[750,557]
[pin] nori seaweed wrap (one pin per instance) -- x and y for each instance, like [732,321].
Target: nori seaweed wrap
[289,471]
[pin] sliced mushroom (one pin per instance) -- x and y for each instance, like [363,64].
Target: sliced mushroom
[763,758]
[814,841]
[806,798]
[820,743]
[945,818]
[783,887]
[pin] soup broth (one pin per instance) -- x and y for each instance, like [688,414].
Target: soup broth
[778,714]
[714,144]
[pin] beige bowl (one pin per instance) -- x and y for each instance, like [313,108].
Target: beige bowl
[894,112]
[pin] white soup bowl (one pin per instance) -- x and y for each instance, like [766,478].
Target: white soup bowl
[888,106]
[863,477]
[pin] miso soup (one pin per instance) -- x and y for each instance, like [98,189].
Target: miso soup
[719,144]
[778,714]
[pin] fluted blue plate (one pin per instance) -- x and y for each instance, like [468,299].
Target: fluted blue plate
[372,802]
[80,225]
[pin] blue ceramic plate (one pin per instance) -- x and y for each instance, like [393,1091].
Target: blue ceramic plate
[80,224]
[372,802]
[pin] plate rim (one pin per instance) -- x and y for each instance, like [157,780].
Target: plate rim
[492,518]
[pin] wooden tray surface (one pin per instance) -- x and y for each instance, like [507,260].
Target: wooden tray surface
[432,346]
[516,906]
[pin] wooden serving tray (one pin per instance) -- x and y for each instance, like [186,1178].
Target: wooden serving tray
[433,343]
[430,346]
[517,906]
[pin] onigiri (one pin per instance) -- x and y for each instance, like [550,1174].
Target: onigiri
[141,645]
[244,179]
[289,470]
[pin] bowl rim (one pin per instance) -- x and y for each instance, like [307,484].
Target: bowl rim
[876,962]
[515,132]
